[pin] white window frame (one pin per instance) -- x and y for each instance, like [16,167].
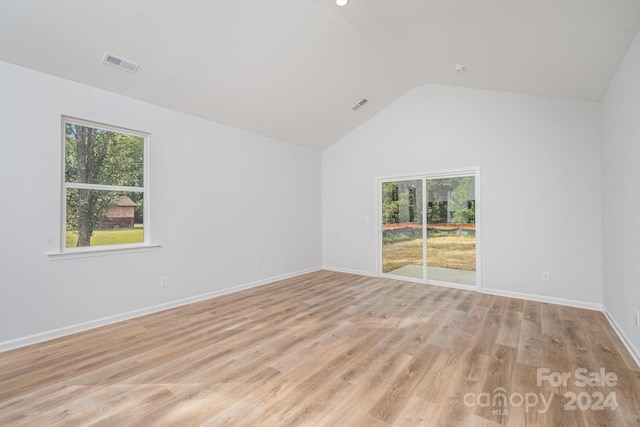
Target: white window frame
[87,251]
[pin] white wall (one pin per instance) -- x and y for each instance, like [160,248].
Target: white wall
[222,198]
[540,183]
[621,196]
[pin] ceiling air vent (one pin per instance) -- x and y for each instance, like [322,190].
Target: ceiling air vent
[123,64]
[359,104]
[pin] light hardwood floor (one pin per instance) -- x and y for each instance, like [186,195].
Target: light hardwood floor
[327,349]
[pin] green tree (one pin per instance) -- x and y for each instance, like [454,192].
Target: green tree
[451,200]
[401,202]
[390,203]
[463,200]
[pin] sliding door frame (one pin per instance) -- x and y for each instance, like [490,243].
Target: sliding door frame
[453,173]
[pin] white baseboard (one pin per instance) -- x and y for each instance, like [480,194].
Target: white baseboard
[349,271]
[497,292]
[72,329]
[633,351]
[542,298]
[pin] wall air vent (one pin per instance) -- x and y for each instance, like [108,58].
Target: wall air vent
[359,104]
[123,64]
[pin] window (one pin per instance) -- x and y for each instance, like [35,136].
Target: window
[105,179]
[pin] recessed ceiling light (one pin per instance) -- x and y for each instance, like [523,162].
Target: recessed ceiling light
[342,2]
[459,68]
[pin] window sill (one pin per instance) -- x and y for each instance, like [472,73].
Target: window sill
[100,251]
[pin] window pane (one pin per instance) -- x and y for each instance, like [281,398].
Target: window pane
[99,156]
[97,218]
[402,242]
[451,230]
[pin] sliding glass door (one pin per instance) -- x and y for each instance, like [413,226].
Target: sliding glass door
[428,229]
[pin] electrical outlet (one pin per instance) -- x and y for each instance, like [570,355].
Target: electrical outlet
[258,264]
[637,317]
[546,276]
[164,281]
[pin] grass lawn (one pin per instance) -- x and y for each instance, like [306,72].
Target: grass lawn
[457,252]
[119,236]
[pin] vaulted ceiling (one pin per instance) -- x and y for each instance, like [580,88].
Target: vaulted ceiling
[292,69]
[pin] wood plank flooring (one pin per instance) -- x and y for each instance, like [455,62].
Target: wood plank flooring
[330,349]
